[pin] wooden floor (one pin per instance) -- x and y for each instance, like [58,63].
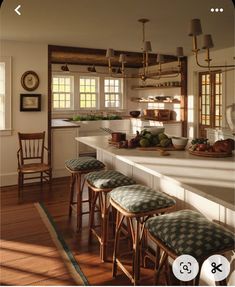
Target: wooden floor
[56,200]
[28,254]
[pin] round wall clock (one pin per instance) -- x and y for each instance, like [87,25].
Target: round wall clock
[30,81]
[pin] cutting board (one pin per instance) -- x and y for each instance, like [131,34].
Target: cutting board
[153,148]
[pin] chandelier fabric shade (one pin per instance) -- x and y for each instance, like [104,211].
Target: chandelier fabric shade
[195,29]
[146,49]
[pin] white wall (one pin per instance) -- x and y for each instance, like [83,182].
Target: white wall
[219,57]
[25,56]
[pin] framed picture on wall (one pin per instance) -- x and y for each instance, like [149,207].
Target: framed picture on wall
[30,102]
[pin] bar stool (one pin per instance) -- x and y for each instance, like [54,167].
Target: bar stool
[77,168]
[135,203]
[188,232]
[100,183]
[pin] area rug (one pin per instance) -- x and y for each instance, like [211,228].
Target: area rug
[63,248]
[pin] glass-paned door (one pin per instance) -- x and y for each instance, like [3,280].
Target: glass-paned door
[210,101]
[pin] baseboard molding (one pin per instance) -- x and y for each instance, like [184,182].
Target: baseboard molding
[60,172]
[7,179]
[11,178]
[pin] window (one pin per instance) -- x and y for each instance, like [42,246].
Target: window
[62,92]
[113,93]
[88,92]
[210,101]
[5,95]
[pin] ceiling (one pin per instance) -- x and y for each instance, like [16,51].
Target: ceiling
[105,24]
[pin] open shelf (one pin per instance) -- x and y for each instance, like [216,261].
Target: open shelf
[156,101]
[153,87]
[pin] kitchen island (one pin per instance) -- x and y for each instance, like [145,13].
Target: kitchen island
[200,183]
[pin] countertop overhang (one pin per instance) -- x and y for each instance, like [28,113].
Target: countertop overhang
[212,178]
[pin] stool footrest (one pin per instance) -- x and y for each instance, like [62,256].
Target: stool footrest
[124,270]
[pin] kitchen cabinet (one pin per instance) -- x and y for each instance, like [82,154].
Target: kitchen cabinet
[64,146]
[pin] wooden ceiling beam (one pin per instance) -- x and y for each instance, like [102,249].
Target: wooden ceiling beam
[88,56]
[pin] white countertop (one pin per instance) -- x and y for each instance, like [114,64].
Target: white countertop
[212,178]
[63,123]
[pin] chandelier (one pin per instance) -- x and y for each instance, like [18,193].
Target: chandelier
[195,29]
[117,64]
[146,49]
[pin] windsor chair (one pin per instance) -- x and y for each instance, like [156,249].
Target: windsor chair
[31,159]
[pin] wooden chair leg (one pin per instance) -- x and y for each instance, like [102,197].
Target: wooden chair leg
[41,178]
[19,185]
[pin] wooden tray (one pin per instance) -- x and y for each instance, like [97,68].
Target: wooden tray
[152,148]
[210,154]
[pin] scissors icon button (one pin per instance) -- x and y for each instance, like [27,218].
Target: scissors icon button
[215,267]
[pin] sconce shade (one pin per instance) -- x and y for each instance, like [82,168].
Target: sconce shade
[160,58]
[122,58]
[207,42]
[65,68]
[179,52]
[195,27]
[92,69]
[147,46]
[109,53]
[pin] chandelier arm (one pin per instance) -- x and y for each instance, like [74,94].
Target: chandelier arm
[210,66]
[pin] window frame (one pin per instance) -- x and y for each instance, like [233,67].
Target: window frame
[7,130]
[121,93]
[72,93]
[97,92]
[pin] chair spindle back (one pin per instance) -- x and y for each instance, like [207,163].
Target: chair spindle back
[32,146]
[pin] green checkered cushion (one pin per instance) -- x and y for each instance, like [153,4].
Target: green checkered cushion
[189,232]
[83,163]
[108,179]
[139,198]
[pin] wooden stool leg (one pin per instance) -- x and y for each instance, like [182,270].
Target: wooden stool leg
[79,202]
[119,220]
[104,228]
[161,264]
[197,279]
[94,196]
[136,254]
[72,182]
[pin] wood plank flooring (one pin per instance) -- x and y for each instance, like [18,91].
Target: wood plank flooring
[28,254]
[19,233]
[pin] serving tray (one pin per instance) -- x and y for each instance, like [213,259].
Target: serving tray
[210,154]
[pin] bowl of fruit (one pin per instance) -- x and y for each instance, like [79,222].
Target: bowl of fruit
[179,142]
[154,130]
[220,148]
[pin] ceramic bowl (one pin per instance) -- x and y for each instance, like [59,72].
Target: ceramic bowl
[134,114]
[154,130]
[179,142]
